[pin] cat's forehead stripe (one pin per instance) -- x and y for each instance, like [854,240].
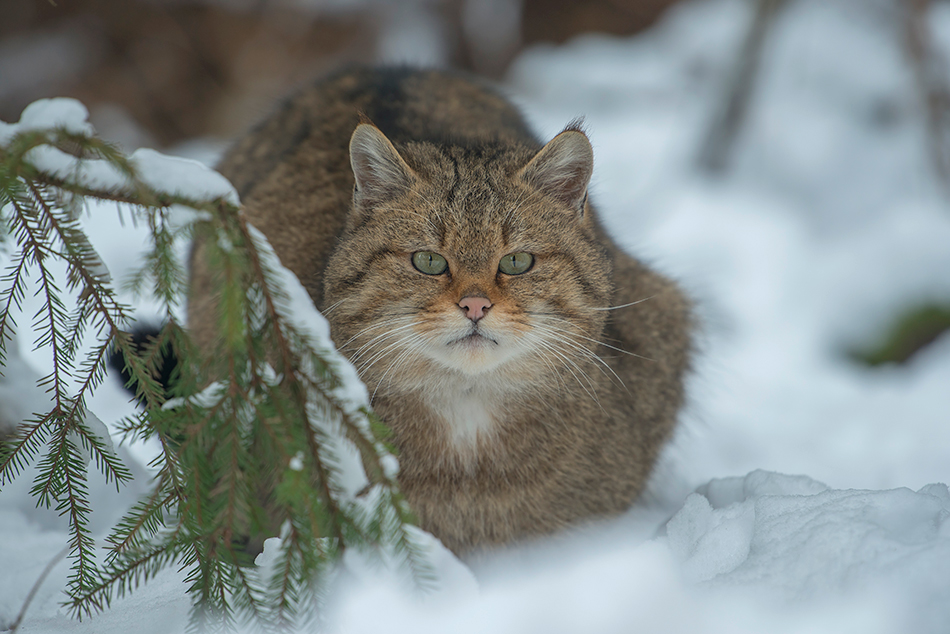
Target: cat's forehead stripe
[453,189]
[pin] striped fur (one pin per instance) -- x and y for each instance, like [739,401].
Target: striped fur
[552,417]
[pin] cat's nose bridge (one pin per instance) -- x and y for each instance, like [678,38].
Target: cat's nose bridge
[467,283]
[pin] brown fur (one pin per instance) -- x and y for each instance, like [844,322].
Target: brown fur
[493,448]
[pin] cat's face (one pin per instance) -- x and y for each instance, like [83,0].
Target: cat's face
[480,263]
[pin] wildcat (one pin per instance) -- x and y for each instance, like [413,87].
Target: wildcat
[529,369]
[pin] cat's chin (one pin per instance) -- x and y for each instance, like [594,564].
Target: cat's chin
[472,354]
[474,342]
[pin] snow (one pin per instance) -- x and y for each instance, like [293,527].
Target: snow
[827,224]
[167,174]
[45,114]
[20,396]
[182,177]
[299,313]
[893,545]
[732,532]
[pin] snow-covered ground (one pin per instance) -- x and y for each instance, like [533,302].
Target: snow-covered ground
[827,225]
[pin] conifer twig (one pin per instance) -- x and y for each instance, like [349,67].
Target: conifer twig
[262,411]
[36,588]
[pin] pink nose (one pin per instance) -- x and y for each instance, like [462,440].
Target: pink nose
[475,307]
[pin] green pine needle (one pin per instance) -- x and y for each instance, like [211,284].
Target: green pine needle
[247,451]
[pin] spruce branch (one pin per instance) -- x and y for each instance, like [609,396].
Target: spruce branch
[11,295]
[256,434]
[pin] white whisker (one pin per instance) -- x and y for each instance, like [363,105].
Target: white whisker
[412,347]
[330,309]
[639,301]
[585,352]
[375,326]
[547,345]
[574,334]
[378,339]
[402,341]
[386,350]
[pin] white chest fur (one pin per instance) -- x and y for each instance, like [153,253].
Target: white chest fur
[468,416]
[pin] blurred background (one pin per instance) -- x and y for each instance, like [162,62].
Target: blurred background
[179,69]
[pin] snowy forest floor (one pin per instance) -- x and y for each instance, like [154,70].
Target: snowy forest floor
[826,227]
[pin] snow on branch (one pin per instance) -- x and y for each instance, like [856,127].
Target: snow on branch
[269,432]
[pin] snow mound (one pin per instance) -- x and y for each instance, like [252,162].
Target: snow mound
[762,553]
[766,552]
[793,539]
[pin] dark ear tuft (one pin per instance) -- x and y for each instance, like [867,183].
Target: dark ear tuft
[577,125]
[379,170]
[563,167]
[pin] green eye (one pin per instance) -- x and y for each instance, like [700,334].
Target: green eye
[515,263]
[429,263]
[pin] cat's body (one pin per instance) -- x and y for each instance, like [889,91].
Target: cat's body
[506,422]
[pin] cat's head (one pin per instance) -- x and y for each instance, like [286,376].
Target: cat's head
[479,260]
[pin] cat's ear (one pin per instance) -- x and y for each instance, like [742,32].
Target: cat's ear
[379,170]
[562,168]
